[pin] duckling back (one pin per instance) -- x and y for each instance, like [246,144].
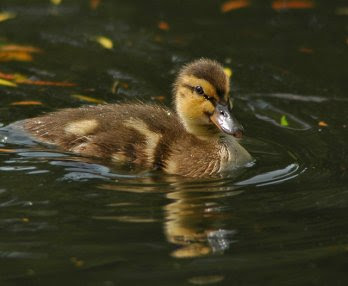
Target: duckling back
[140,134]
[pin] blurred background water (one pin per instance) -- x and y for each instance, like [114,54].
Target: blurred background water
[77,221]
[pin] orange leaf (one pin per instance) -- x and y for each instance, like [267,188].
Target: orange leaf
[4,150]
[305,50]
[322,124]
[27,103]
[19,48]
[6,56]
[94,4]
[45,83]
[6,76]
[233,5]
[291,4]
[164,26]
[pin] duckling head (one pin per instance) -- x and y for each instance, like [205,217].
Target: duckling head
[202,100]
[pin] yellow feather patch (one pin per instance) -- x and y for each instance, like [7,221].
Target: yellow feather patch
[152,138]
[81,127]
[119,157]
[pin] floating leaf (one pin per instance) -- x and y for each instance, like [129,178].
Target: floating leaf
[6,16]
[88,98]
[7,83]
[322,124]
[22,79]
[5,150]
[46,83]
[284,121]
[105,42]
[15,56]
[94,4]
[233,5]
[284,4]
[204,280]
[77,262]
[19,48]
[305,50]
[56,2]
[228,72]
[164,26]
[27,102]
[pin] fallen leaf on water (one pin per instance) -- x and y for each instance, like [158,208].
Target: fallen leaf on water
[27,102]
[322,124]
[94,4]
[6,16]
[284,121]
[6,56]
[228,72]
[284,4]
[46,83]
[233,5]
[105,42]
[88,98]
[305,50]
[19,48]
[164,26]
[77,262]
[205,280]
[22,79]
[7,83]
[56,2]
[4,150]
[25,219]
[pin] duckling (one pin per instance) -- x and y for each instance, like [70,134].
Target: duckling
[198,139]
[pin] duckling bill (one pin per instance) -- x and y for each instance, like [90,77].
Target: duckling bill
[199,138]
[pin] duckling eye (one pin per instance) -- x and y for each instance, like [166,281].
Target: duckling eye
[199,89]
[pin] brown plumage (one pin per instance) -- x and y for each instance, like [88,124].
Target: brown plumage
[191,141]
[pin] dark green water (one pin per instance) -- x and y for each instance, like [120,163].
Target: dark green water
[66,220]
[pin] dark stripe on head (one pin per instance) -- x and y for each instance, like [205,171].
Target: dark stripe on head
[210,71]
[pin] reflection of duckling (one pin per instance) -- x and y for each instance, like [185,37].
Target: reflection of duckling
[195,141]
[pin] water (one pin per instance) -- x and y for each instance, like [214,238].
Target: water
[70,220]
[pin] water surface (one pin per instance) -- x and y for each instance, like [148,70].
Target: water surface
[70,220]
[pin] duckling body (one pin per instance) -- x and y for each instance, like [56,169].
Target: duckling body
[151,136]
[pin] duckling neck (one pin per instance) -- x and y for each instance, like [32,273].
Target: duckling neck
[202,131]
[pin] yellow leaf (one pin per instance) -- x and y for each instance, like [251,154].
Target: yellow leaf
[6,16]
[7,83]
[88,98]
[284,121]
[228,72]
[27,102]
[56,2]
[105,42]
